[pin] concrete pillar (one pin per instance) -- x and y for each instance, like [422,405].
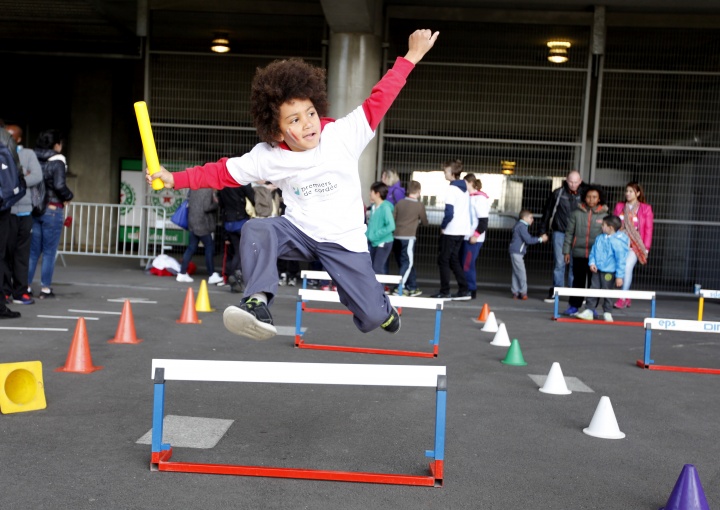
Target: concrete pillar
[89,158]
[354,66]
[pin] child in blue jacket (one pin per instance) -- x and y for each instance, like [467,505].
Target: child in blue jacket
[521,238]
[607,264]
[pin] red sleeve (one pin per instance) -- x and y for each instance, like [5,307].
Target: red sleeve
[210,175]
[385,91]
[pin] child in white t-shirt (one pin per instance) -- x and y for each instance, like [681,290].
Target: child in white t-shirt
[320,184]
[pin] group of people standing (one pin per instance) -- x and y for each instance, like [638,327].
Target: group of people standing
[31,228]
[395,217]
[575,214]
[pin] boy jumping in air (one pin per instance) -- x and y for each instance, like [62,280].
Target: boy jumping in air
[314,161]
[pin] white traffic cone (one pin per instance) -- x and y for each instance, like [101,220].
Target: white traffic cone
[491,325]
[501,338]
[555,382]
[604,424]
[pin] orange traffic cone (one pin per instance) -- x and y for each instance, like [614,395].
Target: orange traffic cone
[125,333]
[189,315]
[79,360]
[483,313]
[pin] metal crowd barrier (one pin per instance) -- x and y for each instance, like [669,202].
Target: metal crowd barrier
[109,230]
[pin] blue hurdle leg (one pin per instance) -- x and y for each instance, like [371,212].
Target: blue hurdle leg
[648,342]
[557,305]
[158,412]
[298,315]
[438,316]
[440,404]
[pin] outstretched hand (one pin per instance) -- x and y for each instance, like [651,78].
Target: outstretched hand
[419,44]
[166,177]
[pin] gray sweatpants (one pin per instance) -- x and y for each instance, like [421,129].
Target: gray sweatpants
[265,240]
[519,276]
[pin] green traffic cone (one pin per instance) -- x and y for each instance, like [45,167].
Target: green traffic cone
[514,355]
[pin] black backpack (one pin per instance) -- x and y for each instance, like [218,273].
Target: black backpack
[12,183]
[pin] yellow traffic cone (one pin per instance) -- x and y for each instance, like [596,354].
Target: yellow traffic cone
[203,300]
[21,387]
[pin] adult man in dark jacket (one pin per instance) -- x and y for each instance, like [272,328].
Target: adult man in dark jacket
[558,207]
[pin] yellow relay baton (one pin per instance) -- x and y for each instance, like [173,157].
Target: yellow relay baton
[151,157]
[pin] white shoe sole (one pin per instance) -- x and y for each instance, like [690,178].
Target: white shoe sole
[464,298]
[241,323]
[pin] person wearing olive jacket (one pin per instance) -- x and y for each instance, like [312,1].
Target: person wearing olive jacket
[584,225]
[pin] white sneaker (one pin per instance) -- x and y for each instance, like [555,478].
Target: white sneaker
[214,279]
[608,317]
[585,315]
[184,277]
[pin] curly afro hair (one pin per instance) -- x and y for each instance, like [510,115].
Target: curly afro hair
[279,82]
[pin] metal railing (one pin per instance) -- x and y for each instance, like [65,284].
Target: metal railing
[108,230]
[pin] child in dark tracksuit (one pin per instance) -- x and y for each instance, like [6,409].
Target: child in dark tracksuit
[607,264]
[521,238]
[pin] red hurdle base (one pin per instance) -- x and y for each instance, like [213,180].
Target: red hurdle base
[300,344]
[161,462]
[599,322]
[670,368]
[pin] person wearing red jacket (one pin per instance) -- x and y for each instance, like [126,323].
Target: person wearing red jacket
[637,222]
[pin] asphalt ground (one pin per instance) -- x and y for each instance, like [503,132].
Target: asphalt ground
[508,445]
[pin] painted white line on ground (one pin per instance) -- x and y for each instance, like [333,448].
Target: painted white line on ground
[132,300]
[33,329]
[67,317]
[287,330]
[573,383]
[190,431]
[94,311]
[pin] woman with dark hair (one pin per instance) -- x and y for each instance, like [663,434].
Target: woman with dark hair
[584,225]
[637,222]
[48,227]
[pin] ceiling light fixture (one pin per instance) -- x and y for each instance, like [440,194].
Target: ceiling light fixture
[507,167]
[557,51]
[220,44]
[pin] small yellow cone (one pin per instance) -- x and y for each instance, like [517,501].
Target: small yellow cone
[203,300]
[21,387]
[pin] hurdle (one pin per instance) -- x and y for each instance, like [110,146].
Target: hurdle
[298,373]
[397,301]
[323,275]
[602,293]
[675,325]
[706,293]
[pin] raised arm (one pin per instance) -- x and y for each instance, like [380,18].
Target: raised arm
[387,89]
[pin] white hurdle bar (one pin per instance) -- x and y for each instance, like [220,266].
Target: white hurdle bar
[298,373]
[706,293]
[305,295]
[603,293]
[681,325]
[323,275]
